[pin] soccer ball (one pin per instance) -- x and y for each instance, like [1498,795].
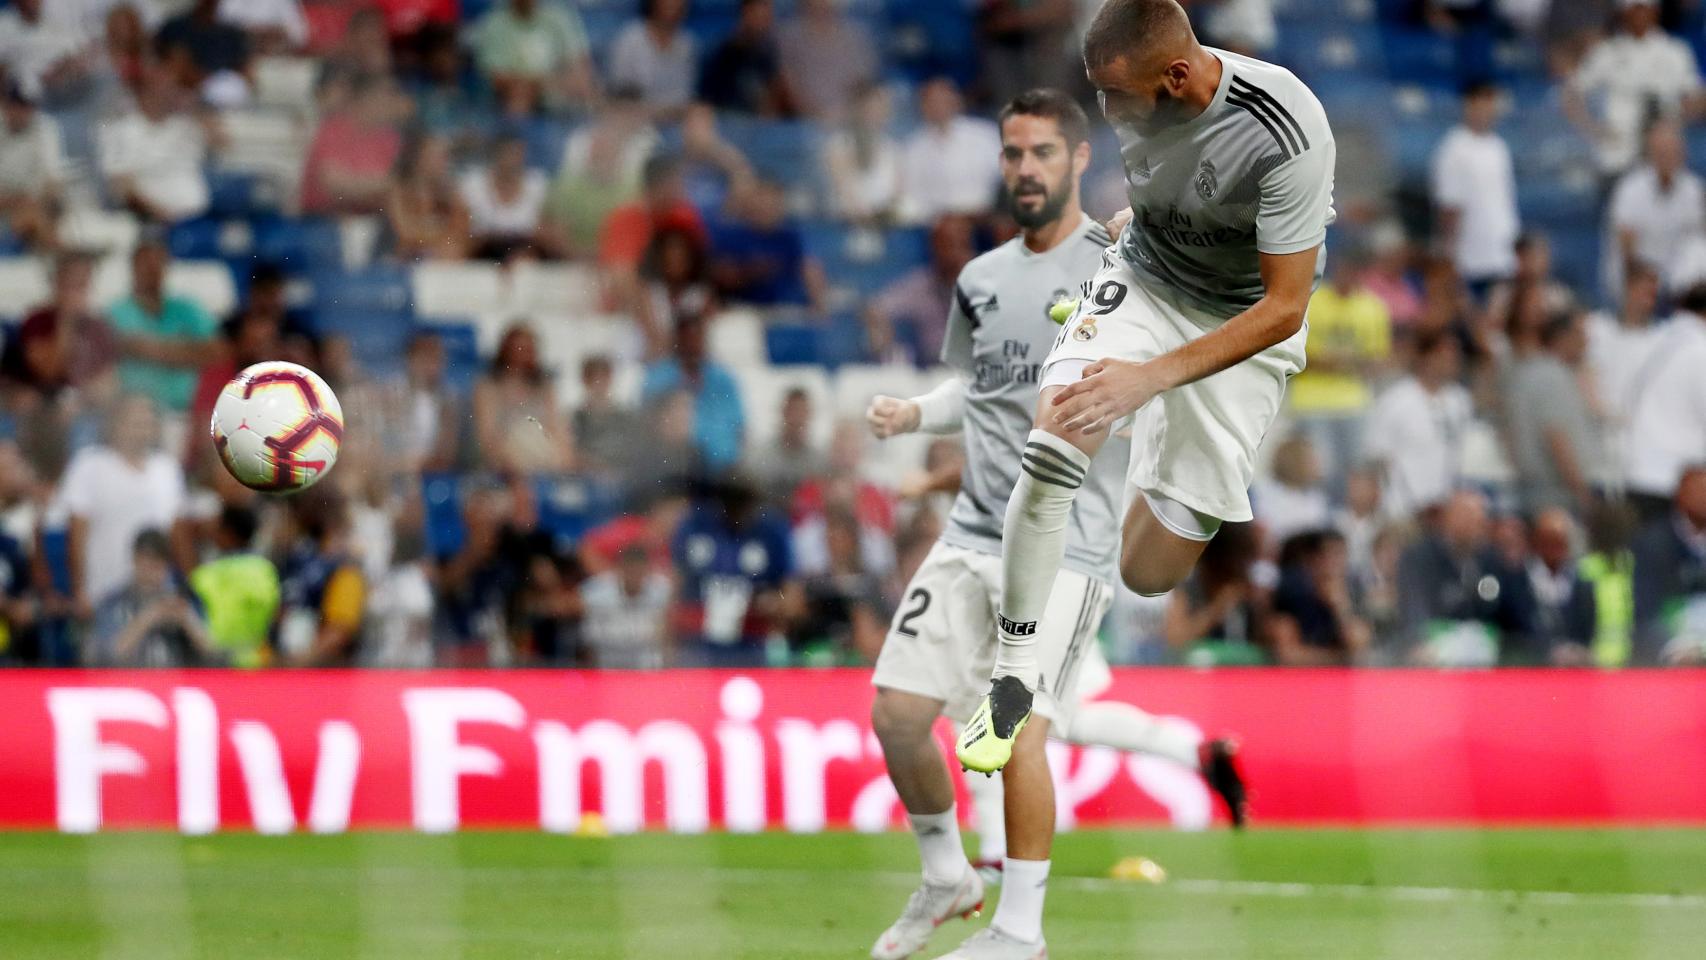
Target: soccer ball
[277,427]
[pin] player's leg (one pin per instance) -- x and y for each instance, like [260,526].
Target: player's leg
[1029,801]
[1160,543]
[1055,461]
[989,821]
[1032,546]
[928,659]
[1124,727]
[904,724]
[1114,723]
[1066,634]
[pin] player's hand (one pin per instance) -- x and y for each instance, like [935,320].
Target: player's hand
[1117,223]
[891,416]
[1109,390]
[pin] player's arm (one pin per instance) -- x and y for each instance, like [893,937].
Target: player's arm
[942,410]
[1112,388]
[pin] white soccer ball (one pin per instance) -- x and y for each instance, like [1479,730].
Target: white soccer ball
[277,427]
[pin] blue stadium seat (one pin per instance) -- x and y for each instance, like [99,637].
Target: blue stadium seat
[545,141]
[570,506]
[932,39]
[234,194]
[1420,56]
[793,343]
[377,338]
[783,151]
[441,495]
[461,355]
[863,260]
[1332,53]
[378,289]
[299,244]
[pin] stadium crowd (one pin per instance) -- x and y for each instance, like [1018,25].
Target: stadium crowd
[603,288]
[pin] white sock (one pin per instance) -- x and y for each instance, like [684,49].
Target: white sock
[1033,540]
[1110,723]
[939,845]
[1024,885]
[989,815]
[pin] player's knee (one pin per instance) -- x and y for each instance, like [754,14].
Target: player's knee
[898,718]
[1143,578]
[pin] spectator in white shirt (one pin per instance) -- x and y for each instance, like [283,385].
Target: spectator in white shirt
[32,168]
[152,156]
[656,57]
[273,26]
[863,161]
[1657,210]
[49,56]
[1474,194]
[1667,425]
[1629,77]
[627,613]
[1415,427]
[1619,347]
[113,491]
[951,164]
[1294,500]
[506,201]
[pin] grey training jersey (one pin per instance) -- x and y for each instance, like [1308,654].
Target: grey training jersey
[999,334]
[1251,174]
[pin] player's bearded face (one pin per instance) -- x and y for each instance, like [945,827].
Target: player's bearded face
[1035,202]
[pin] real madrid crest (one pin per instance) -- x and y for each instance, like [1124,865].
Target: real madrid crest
[1086,330]
[1207,182]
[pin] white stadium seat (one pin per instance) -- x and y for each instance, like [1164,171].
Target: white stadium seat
[553,288]
[270,142]
[207,282]
[736,339]
[97,230]
[457,290]
[856,384]
[23,285]
[286,82]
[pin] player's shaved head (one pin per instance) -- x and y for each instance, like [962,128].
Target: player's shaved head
[1146,65]
[1147,31]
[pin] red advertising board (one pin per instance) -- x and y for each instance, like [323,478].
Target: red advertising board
[698,750]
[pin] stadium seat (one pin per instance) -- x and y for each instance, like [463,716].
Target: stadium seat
[456,289]
[793,343]
[441,496]
[23,285]
[270,142]
[376,289]
[236,193]
[111,282]
[736,338]
[91,228]
[570,506]
[552,288]
[286,82]
[207,282]
[305,244]
[205,238]
[378,339]
[856,384]
[461,355]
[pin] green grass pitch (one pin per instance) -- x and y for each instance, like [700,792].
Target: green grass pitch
[1265,895]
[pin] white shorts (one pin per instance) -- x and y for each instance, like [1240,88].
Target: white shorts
[942,641]
[1194,444]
